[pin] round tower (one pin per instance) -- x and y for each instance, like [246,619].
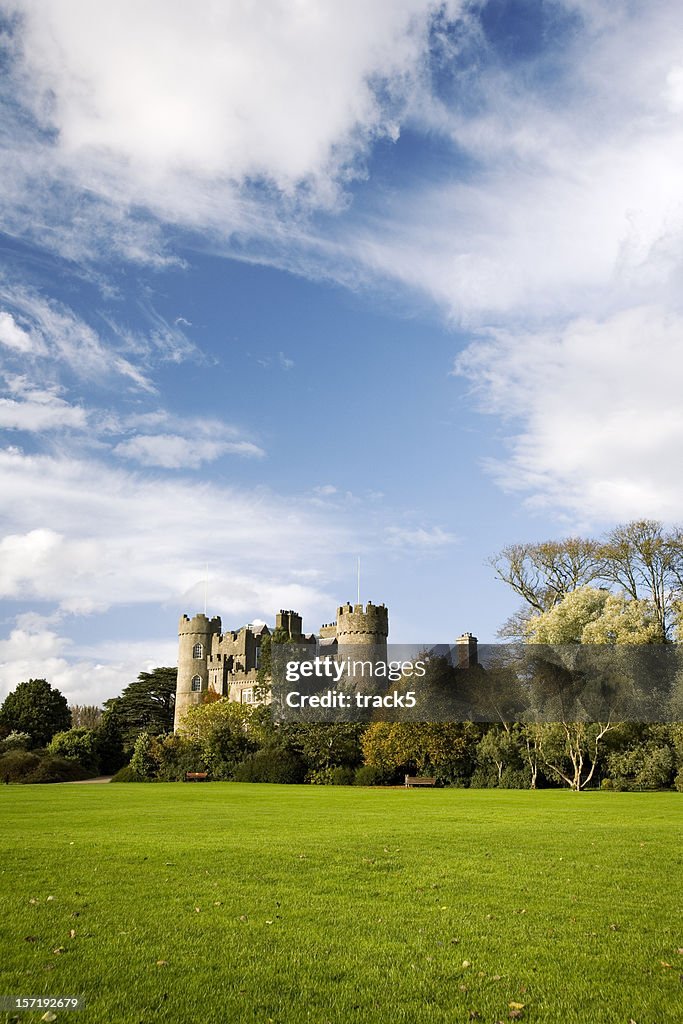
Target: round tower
[362,635]
[194,647]
[358,625]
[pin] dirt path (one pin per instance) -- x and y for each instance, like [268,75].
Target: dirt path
[85,782]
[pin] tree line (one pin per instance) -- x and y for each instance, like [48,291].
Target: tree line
[625,588]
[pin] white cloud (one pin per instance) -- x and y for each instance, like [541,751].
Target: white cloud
[421,538]
[88,537]
[41,411]
[14,336]
[97,674]
[156,108]
[593,411]
[173,451]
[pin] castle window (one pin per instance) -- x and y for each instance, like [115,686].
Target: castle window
[248,696]
[196,683]
[198,651]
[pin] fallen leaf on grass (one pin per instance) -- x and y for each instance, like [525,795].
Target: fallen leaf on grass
[680,952]
[269,922]
[33,902]
[72,933]
[474,1015]
[467,963]
[50,898]
[243,917]
[162,963]
[515,1014]
[516,1006]
[49,1016]
[197,910]
[665,964]
[59,949]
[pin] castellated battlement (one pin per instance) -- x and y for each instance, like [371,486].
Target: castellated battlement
[199,623]
[358,624]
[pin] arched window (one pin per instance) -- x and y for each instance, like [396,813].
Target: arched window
[198,651]
[196,683]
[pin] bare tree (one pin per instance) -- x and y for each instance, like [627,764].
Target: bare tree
[85,716]
[647,562]
[543,574]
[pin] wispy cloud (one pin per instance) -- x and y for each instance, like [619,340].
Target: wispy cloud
[173,451]
[592,410]
[420,538]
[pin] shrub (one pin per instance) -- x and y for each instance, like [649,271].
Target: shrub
[343,775]
[276,764]
[177,755]
[514,778]
[678,782]
[57,769]
[15,741]
[483,778]
[339,776]
[648,766]
[16,765]
[144,761]
[79,745]
[127,774]
[369,775]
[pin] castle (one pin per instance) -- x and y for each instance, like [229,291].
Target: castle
[227,663]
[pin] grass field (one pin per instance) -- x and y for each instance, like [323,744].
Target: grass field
[247,903]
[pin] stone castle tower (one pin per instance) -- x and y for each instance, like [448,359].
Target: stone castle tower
[195,637]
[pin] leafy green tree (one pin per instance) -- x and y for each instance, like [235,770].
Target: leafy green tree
[571,751]
[110,747]
[144,761]
[222,732]
[147,704]
[329,745]
[78,745]
[37,708]
[591,616]
[446,750]
[499,748]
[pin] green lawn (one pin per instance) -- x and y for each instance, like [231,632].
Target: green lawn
[247,903]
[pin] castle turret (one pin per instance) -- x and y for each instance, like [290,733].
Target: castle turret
[366,626]
[362,635]
[194,647]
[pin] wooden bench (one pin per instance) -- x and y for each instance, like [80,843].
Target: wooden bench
[417,780]
[196,776]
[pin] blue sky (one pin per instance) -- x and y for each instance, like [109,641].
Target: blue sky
[288,283]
